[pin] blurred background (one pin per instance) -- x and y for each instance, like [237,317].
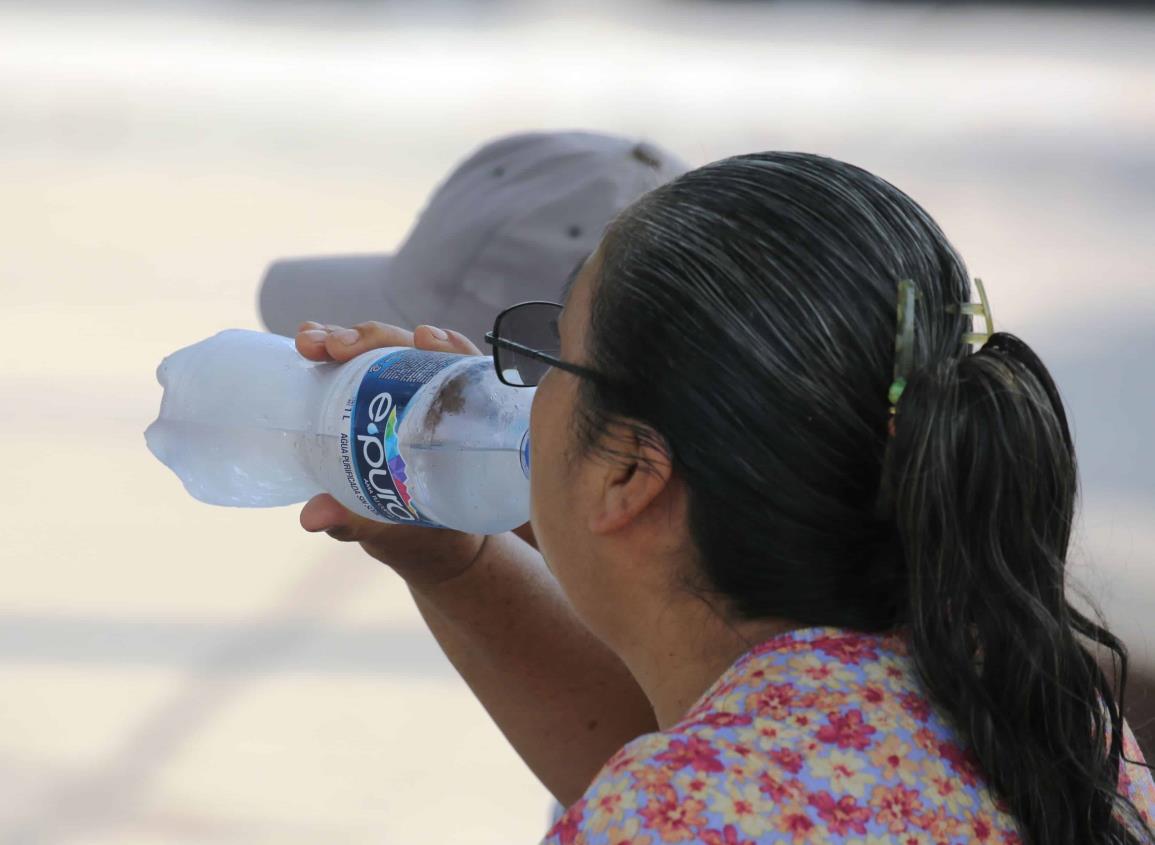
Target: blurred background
[173,672]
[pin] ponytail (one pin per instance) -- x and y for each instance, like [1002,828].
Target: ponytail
[982,477]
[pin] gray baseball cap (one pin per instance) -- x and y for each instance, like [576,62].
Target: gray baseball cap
[508,225]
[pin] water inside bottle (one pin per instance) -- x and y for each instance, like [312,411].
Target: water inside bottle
[234,465]
[445,483]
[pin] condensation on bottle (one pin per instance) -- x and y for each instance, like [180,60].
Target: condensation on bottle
[396,435]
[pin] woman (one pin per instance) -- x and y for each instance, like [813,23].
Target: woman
[811,554]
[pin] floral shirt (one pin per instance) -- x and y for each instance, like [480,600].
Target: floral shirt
[819,735]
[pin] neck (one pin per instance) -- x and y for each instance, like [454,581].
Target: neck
[677,651]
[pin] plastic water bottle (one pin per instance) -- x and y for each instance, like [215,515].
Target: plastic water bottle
[396,435]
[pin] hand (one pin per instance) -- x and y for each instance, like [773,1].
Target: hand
[422,556]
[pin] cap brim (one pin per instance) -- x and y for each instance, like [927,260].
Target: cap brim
[340,290]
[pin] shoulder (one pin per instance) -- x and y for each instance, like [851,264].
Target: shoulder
[656,789]
[822,744]
[683,786]
[1135,780]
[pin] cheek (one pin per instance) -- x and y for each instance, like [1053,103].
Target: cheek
[544,449]
[550,485]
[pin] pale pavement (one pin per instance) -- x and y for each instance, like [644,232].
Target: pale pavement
[171,672]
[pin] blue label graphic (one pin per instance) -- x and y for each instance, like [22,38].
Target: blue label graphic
[380,406]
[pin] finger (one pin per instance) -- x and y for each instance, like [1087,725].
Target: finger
[344,344]
[324,513]
[310,342]
[321,513]
[434,339]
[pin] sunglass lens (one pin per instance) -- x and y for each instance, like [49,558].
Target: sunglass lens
[534,326]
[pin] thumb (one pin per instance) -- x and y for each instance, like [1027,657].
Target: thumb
[324,513]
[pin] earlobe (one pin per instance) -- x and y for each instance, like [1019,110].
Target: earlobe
[634,477]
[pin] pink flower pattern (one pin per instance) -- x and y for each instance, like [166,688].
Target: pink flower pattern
[820,735]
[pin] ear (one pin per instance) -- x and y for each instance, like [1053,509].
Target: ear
[634,474]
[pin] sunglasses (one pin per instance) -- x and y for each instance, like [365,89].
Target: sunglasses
[526,344]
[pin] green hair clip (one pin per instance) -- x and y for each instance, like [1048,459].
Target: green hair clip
[904,335]
[981,308]
[903,342]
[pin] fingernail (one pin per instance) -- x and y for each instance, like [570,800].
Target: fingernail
[438,333]
[347,336]
[316,335]
[309,324]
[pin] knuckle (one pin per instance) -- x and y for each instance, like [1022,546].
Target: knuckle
[373,327]
[383,334]
[463,343]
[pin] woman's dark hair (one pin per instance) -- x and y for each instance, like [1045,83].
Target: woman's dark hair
[745,317]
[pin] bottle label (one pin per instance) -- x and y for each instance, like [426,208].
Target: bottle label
[377,474]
